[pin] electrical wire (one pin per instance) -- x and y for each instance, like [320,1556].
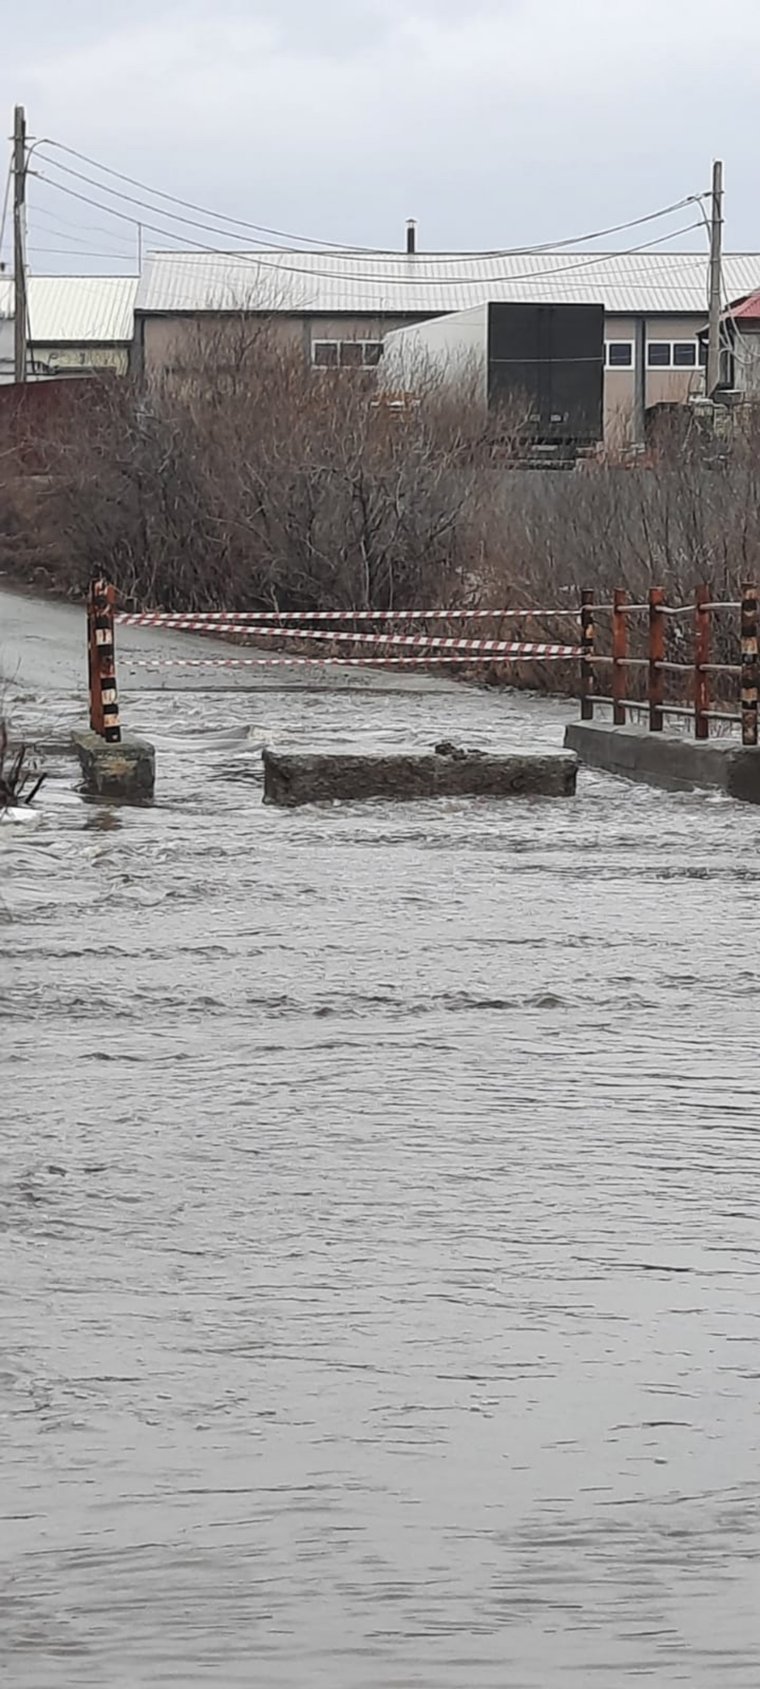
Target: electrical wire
[6,203]
[310,240]
[63,230]
[64,252]
[276,266]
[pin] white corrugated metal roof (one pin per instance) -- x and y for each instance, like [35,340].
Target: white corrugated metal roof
[331,283]
[76,310]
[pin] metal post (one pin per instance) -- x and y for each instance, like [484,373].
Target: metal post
[19,245]
[104,703]
[656,657]
[702,597]
[749,664]
[93,665]
[619,654]
[640,382]
[587,652]
[712,373]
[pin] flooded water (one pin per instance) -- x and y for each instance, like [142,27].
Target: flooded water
[378,1224]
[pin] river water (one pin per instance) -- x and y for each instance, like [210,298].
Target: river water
[379,1224]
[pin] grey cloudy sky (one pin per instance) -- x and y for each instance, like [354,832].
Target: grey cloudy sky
[494,122]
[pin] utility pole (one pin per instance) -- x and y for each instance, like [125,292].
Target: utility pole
[19,264]
[716,243]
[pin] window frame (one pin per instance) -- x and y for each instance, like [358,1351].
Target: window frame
[631,344]
[364,362]
[691,340]
[330,364]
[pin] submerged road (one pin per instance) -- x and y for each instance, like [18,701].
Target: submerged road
[43,644]
[379,1217]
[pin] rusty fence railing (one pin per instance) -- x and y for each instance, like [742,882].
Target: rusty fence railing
[101,662]
[699,674]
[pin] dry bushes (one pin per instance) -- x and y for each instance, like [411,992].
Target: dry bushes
[246,479]
[260,482]
[19,783]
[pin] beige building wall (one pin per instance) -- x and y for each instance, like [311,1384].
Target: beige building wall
[174,344]
[661,386]
[70,360]
[166,344]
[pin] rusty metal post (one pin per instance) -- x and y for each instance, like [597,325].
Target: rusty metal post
[702,597]
[93,666]
[749,663]
[104,703]
[656,658]
[588,634]
[619,654]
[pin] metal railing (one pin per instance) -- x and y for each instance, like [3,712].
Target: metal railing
[699,671]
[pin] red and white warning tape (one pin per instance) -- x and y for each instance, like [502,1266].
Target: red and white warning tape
[551,652]
[431,642]
[274,662]
[187,621]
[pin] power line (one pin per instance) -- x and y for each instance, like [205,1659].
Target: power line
[262,261]
[64,229]
[261,229]
[64,252]
[6,203]
[131,199]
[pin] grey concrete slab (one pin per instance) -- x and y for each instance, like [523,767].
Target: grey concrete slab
[124,770]
[292,779]
[661,759]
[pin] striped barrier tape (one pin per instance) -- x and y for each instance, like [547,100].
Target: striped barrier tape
[312,662]
[484,647]
[216,619]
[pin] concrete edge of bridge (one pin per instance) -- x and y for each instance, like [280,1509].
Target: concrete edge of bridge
[446,771]
[662,759]
[125,770]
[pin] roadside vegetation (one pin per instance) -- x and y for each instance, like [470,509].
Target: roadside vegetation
[246,480]
[19,781]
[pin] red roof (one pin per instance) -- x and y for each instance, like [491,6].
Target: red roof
[745,310]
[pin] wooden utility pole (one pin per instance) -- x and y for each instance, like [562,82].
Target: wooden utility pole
[19,259]
[716,241]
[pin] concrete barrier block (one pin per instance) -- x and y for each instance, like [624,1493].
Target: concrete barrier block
[292,779]
[661,759]
[126,770]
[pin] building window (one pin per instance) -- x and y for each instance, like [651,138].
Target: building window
[351,354]
[674,354]
[619,354]
[346,354]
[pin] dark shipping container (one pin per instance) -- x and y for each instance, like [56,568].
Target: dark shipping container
[553,356]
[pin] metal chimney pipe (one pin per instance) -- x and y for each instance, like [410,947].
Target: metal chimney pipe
[411,235]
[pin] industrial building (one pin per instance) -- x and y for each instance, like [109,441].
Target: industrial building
[77,325]
[339,307]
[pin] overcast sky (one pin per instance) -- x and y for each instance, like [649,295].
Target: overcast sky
[493,122]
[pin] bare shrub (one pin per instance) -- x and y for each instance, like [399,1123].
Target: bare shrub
[257,481]
[246,479]
[19,781]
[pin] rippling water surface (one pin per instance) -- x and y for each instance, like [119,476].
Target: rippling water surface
[379,1225]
